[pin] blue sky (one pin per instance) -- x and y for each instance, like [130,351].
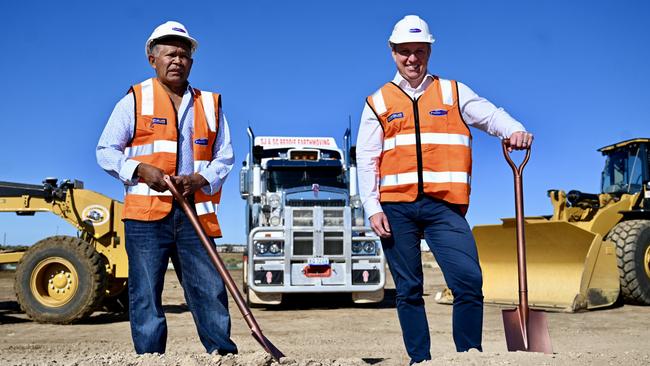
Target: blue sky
[574,73]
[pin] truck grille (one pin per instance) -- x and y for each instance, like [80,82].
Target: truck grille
[303,218]
[303,243]
[318,231]
[312,203]
[333,243]
[332,218]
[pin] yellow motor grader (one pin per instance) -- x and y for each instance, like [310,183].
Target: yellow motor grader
[62,279]
[593,249]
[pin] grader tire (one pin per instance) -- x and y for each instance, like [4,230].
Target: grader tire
[117,304]
[60,280]
[632,240]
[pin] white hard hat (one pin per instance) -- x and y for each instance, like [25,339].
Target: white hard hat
[411,28]
[170,29]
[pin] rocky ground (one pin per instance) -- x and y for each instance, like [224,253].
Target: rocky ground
[320,331]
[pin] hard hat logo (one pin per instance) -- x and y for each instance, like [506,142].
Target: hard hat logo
[179,30]
[415,30]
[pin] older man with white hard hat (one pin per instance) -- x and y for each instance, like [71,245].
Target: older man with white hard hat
[163,126]
[414,167]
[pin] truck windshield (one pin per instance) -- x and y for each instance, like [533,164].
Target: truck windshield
[289,177]
[623,172]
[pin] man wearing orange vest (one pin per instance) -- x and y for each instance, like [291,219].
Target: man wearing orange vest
[163,126]
[414,165]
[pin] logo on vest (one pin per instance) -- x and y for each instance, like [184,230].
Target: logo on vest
[203,142]
[415,30]
[158,121]
[438,112]
[395,115]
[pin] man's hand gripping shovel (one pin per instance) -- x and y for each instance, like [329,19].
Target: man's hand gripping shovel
[221,268]
[526,329]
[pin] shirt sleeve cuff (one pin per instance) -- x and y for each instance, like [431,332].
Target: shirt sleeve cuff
[214,183]
[372,207]
[127,171]
[515,128]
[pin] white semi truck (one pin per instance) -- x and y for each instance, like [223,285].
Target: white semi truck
[305,223]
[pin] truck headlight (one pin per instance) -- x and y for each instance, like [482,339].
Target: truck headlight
[357,247]
[261,248]
[369,247]
[274,201]
[274,248]
[275,220]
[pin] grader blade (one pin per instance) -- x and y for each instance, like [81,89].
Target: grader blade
[569,268]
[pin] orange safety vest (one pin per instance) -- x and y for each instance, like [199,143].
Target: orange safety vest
[427,145]
[155,142]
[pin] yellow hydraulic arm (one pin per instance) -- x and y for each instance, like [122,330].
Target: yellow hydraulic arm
[97,217]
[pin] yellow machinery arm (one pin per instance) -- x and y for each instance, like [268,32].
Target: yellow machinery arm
[96,216]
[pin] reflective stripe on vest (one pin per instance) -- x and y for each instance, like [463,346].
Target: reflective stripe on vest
[155,142]
[427,145]
[154,147]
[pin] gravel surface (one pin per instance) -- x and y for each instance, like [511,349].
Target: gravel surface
[320,330]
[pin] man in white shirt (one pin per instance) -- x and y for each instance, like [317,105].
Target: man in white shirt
[165,127]
[414,168]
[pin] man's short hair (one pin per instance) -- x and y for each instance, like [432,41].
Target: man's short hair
[162,40]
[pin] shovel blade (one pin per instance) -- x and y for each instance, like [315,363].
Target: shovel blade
[268,346]
[531,337]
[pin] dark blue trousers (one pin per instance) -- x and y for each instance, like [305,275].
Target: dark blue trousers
[150,245]
[450,239]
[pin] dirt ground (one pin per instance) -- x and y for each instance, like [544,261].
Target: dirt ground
[320,331]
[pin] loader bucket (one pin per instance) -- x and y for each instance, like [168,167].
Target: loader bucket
[569,268]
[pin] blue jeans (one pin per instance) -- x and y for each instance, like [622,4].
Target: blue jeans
[150,245]
[450,239]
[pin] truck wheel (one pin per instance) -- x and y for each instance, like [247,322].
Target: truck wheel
[116,301]
[368,297]
[61,279]
[260,299]
[632,240]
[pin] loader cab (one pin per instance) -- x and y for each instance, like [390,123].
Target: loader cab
[627,168]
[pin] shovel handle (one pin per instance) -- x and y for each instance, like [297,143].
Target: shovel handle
[519,216]
[223,271]
[212,253]
[517,170]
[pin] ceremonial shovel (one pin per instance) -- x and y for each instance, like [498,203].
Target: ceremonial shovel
[221,268]
[526,329]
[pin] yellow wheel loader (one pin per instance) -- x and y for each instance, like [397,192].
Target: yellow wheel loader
[63,279]
[593,249]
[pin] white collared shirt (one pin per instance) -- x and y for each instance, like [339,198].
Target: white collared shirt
[119,131]
[476,111]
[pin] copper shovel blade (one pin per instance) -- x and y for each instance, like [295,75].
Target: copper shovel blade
[268,346]
[530,336]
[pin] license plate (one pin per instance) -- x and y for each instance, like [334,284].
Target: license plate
[318,261]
